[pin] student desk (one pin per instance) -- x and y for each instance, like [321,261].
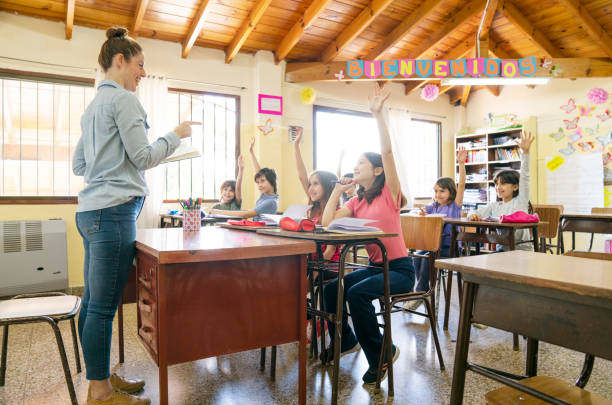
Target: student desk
[541,296]
[589,223]
[219,291]
[482,237]
[348,241]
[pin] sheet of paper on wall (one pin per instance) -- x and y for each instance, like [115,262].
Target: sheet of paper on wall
[184,151]
[577,184]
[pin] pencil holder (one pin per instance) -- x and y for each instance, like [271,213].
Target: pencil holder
[191,220]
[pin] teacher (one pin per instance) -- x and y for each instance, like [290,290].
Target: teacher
[112,154]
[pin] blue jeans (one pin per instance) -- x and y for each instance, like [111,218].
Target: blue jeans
[422,269]
[361,287]
[109,238]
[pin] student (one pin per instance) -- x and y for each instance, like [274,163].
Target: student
[379,198]
[112,154]
[448,200]
[513,190]
[231,191]
[350,193]
[266,183]
[318,188]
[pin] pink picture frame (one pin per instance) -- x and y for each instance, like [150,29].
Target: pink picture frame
[270,104]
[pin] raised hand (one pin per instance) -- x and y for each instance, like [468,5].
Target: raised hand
[461,156]
[298,135]
[377,98]
[252,145]
[241,162]
[526,140]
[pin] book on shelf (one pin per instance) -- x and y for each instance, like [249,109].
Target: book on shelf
[184,151]
[352,225]
[507,154]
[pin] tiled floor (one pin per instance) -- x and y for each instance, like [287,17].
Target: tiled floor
[35,377]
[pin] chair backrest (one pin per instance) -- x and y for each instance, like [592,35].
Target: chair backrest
[601,210]
[550,214]
[589,255]
[422,233]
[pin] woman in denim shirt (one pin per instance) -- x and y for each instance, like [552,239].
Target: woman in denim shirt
[112,154]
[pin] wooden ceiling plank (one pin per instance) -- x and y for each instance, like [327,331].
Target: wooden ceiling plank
[468,11]
[444,89]
[465,95]
[512,13]
[69,18]
[494,89]
[296,32]
[196,27]
[488,18]
[412,85]
[356,27]
[141,8]
[455,94]
[590,25]
[245,30]
[399,32]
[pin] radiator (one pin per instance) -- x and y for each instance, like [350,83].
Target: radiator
[33,256]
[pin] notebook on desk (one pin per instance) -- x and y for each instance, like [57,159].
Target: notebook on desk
[352,225]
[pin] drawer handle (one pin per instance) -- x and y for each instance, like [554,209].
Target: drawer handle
[151,271]
[145,282]
[143,306]
[146,334]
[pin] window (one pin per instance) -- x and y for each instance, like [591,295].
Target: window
[40,127]
[218,139]
[356,132]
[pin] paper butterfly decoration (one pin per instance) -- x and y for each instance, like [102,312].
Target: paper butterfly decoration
[604,116]
[569,107]
[605,140]
[556,70]
[557,136]
[267,128]
[607,158]
[339,75]
[546,63]
[571,124]
[586,146]
[592,131]
[569,150]
[585,111]
[576,136]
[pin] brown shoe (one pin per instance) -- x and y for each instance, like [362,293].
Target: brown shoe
[125,385]
[119,398]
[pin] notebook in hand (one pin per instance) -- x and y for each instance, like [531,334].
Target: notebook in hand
[352,225]
[184,151]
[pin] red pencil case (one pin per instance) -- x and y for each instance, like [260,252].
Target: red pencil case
[246,222]
[519,217]
[304,225]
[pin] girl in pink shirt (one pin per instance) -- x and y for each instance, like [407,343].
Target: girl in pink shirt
[379,198]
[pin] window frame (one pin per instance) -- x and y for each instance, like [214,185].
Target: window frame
[12,74]
[237,130]
[337,110]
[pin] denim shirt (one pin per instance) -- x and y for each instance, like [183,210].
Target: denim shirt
[114,151]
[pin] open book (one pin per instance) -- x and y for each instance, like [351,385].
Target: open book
[295,212]
[352,225]
[184,151]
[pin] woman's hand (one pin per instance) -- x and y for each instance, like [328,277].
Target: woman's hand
[526,141]
[377,99]
[183,130]
[461,156]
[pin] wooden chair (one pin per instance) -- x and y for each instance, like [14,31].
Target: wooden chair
[548,385]
[420,234]
[552,215]
[598,210]
[45,307]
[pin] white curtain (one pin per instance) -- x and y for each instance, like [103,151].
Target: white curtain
[404,151]
[153,94]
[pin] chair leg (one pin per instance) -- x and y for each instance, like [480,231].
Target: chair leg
[62,350]
[273,363]
[449,289]
[3,361]
[591,242]
[515,342]
[433,325]
[75,344]
[262,359]
[585,374]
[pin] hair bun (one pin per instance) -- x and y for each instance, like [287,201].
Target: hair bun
[116,32]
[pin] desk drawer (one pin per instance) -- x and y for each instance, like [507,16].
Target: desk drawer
[147,318]
[147,272]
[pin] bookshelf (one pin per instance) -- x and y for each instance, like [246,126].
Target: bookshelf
[489,151]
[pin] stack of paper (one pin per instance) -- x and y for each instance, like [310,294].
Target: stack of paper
[183,151]
[352,225]
[295,212]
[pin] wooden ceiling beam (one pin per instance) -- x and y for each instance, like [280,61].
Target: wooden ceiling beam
[356,27]
[412,85]
[567,68]
[245,29]
[69,18]
[400,31]
[141,8]
[465,95]
[513,14]
[455,94]
[590,25]
[444,89]
[196,27]
[468,11]
[494,89]
[488,18]
[296,32]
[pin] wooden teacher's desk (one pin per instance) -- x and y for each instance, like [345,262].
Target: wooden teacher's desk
[219,291]
[566,301]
